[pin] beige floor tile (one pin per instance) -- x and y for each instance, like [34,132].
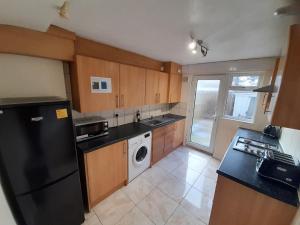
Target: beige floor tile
[169,164]
[158,207]
[174,188]
[92,220]
[183,217]
[206,185]
[198,204]
[89,214]
[155,175]
[210,172]
[185,174]
[135,217]
[138,189]
[113,208]
[215,163]
[197,164]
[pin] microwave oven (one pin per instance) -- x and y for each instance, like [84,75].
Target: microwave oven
[91,129]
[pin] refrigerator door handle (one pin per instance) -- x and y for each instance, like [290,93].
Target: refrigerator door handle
[37,119]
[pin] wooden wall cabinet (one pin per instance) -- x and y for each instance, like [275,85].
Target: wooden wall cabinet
[83,98]
[105,171]
[166,139]
[132,86]
[284,107]
[236,204]
[156,87]
[175,81]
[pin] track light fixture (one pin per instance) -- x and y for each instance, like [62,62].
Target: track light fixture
[195,44]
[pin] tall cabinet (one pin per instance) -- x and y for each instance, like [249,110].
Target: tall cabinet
[282,107]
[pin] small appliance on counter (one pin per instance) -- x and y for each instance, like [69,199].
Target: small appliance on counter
[280,167]
[271,131]
[89,128]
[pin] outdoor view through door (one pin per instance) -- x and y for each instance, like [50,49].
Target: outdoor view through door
[205,111]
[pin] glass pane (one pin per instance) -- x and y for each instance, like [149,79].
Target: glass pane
[204,111]
[245,81]
[241,105]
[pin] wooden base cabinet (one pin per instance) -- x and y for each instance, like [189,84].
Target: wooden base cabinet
[165,139]
[105,171]
[236,204]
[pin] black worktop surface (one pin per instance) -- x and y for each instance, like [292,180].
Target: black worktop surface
[241,167]
[120,133]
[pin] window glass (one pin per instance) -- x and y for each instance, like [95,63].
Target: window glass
[245,81]
[241,105]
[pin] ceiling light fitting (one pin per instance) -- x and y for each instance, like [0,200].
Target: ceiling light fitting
[63,10]
[195,44]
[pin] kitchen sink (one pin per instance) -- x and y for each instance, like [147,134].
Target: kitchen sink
[157,121]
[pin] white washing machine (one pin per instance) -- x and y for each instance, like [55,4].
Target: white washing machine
[139,154]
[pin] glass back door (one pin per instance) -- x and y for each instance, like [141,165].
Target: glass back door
[205,112]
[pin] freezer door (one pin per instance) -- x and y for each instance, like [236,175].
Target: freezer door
[57,204]
[36,145]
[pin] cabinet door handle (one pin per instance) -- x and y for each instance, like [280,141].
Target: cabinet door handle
[124,148]
[117,101]
[122,100]
[158,97]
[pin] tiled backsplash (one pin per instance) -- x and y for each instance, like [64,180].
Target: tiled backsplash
[126,115]
[179,108]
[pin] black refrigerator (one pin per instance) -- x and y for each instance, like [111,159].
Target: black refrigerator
[38,162]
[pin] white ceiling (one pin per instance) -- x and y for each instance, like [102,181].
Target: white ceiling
[233,29]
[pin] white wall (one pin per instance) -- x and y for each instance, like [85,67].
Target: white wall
[227,128]
[23,76]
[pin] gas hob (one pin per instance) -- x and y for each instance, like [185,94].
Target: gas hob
[253,147]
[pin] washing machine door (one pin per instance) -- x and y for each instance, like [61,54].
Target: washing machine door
[139,156]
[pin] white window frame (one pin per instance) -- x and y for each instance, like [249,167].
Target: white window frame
[229,87]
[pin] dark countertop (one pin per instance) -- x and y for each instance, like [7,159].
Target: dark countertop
[241,167]
[121,133]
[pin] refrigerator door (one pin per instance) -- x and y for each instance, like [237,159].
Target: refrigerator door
[36,145]
[57,204]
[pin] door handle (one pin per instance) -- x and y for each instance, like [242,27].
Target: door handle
[124,148]
[37,119]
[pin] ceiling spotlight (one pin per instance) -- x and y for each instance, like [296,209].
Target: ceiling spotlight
[204,50]
[289,10]
[192,44]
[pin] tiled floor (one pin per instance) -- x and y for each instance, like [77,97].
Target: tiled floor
[178,190]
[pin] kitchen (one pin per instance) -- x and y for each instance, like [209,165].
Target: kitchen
[148,130]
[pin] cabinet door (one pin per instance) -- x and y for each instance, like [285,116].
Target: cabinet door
[169,138]
[152,87]
[163,88]
[158,143]
[84,99]
[179,133]
[106,171]
[175,88]
[132,86]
